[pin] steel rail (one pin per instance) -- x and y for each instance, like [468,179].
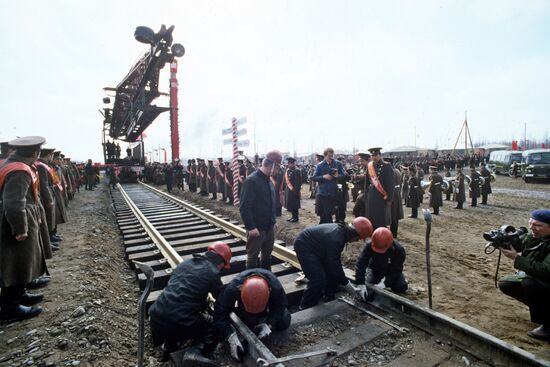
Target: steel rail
[164,247]
[279,251]
[484,346]
[256,348]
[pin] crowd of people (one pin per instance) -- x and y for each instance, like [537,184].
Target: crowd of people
[36,185]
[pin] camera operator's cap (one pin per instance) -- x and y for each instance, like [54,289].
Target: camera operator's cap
[27,142]
[291,160]
[375,150]
[363,155]
[542,215]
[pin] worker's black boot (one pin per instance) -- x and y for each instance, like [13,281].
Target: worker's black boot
[194,358]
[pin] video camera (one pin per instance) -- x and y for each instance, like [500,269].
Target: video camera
[504,237]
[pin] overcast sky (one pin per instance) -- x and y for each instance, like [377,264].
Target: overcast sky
[307,74]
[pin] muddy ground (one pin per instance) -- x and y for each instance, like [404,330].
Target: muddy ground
[90,307]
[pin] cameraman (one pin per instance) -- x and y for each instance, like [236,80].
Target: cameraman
[533,259]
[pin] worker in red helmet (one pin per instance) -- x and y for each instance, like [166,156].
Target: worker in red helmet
[180,313]
[258,211]
[318,249]
[261,304]
[382,258]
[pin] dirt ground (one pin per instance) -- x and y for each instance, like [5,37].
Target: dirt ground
[89,272]
[90,312]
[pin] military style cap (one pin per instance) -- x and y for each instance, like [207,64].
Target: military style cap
[363,155]
[220,159]
[375,150]
[389,159]
[210,160]
[291,160]
[62,155]
[45,151]
[56,153]
[433,167]
[27,142]
[404,168]
[341,158]
[319,155]
[240,158]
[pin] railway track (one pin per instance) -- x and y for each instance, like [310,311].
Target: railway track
[161,231]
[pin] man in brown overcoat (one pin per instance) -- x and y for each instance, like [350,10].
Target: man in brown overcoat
[21,252]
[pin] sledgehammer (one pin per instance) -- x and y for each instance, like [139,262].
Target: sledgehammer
[149,273]
[428,219]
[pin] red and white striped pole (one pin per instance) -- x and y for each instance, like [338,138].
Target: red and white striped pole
[234,163]
[174,128]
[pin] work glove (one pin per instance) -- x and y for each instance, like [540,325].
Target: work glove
[363,293]
[350,288]
[262,331]
[235,346]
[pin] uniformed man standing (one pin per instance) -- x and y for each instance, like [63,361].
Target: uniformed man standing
[203,173]
[474,186]
[220,175]
[211,179]
[449,190]
[413,197]
[361,177]
[486,187]
[293,187]
[459,189]
[380,187]
[228,180]
[397,203]
[47,195]
[21,254]
[435,190]
[192,180]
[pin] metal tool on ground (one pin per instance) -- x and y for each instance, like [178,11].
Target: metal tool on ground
[428,219]
[149,273]
[263,363]
[401,329]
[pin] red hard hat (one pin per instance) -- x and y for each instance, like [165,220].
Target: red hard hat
[275,156]
[222,249]
[255,294]
[363,226]
[382,239]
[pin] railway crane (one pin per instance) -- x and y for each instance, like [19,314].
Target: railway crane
[133,111]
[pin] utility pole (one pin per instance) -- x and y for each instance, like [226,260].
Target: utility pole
[525,136]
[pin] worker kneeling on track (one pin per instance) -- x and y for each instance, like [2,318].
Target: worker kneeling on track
[261,304]
[382,257]
[180,313]
[319,250]
[531,285]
